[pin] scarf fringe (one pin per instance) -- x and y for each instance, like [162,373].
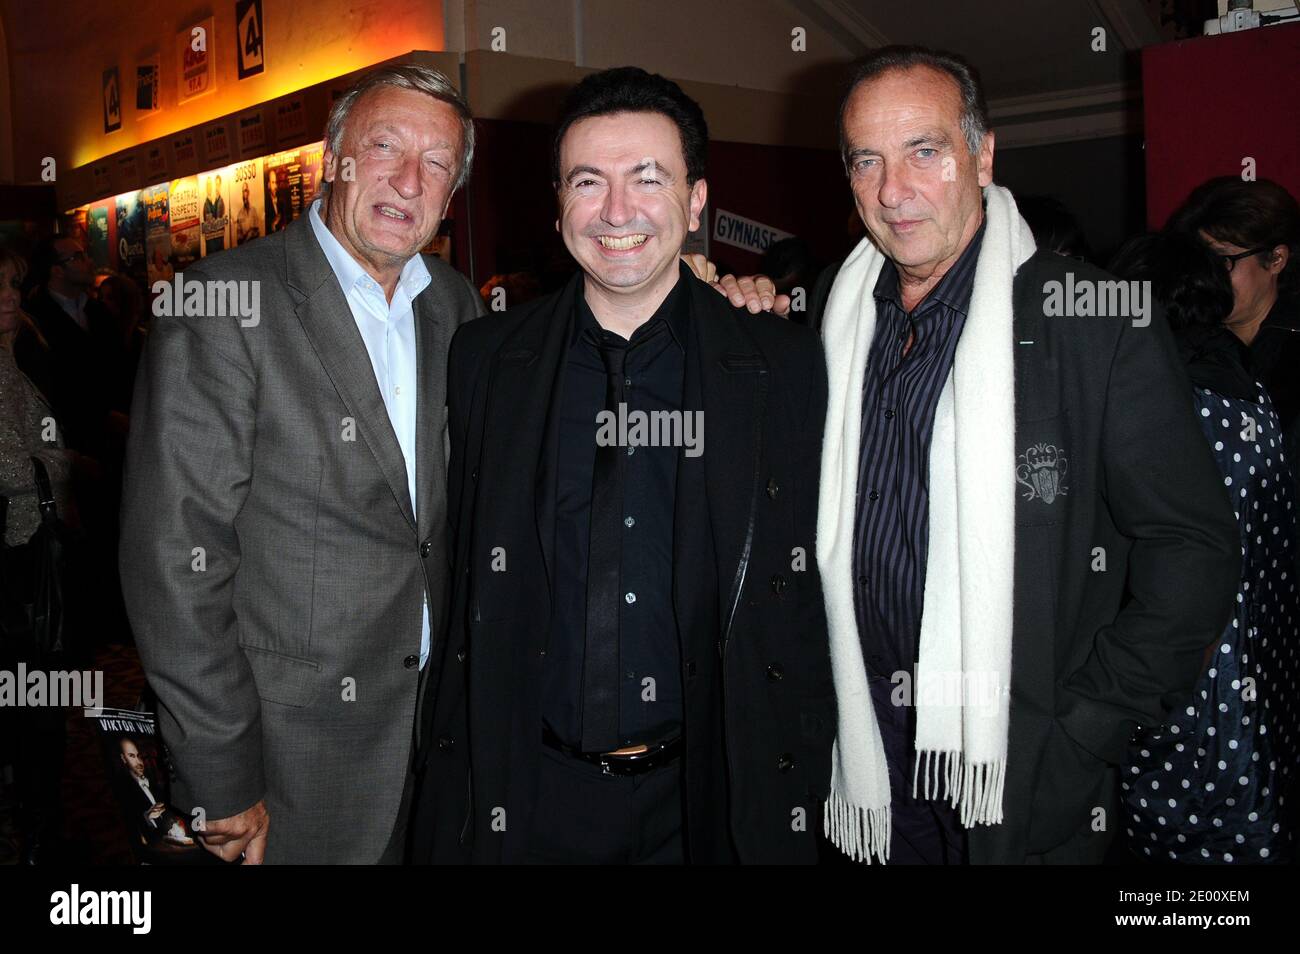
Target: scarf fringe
[975,790]
[861,833]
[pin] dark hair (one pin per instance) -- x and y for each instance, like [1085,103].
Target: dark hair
[974,109]
[629,89]
[1187,279]
[1054,226]
[1259,214]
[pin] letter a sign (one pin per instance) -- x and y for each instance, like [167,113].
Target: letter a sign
[248,37]
[112,101]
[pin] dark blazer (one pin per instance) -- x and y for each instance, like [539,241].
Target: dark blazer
[286,669]
[1097,650]
[759,703]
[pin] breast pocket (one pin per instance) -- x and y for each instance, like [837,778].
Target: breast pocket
[1043,471]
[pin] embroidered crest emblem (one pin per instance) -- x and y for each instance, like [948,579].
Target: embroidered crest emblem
[1041,472]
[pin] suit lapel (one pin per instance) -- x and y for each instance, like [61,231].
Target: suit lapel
[523,415]
[433,330]
[733,391]
[327,320]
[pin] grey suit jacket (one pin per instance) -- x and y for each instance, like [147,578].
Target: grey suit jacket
[272,567]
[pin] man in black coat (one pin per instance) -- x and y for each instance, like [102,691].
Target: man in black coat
[637,668]
[1125,554]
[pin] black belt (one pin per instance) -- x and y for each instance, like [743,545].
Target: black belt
[656,755]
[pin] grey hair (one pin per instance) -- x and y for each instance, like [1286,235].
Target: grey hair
[421,79]
[974,108]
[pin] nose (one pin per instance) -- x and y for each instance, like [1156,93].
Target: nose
[406,178]
[616,210]
[895,186]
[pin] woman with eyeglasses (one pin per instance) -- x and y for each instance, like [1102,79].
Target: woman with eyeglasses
[1254,229]
[1212,786]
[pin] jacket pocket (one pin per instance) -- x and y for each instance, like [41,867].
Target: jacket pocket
[287,680]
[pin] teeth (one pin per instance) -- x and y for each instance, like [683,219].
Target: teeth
[391,212]
[622,242]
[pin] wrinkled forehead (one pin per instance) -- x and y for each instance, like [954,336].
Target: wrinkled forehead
[900,103]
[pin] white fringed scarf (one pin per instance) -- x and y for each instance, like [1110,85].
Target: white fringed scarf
[962,681]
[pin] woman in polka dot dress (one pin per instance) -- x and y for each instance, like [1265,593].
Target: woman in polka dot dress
[1211,786]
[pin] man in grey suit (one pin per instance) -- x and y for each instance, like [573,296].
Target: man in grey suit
[284,548]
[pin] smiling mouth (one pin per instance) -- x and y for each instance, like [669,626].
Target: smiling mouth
[392,213]
[621,243]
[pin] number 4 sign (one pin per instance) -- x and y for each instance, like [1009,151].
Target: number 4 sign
[248,37]
[112,101]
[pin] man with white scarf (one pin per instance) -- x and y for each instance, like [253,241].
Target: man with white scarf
[1025,546]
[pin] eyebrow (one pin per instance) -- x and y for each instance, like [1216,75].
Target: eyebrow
[390,128]
[636,170]
[930,137]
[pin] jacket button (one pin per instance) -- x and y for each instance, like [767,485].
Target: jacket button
[778,584]
[785,762]
[775,673]
[426,548]
[460,654]
[473,474]
[410,662]
[772,488]
[690,668]
[446,743]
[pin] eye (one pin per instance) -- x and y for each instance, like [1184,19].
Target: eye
[926,153]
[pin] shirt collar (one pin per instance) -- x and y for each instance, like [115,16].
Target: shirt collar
[674,310]
[414,277]
[71,305]
[954,288]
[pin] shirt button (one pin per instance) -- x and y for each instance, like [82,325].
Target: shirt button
[889,413]
[397,390]
[874,495]
[630,598]
[629,522]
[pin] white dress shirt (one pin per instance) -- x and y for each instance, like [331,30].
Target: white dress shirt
[388,330]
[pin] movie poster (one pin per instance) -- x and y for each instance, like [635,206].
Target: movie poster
[214,227]
[130,235]
[140,777]
[248,220]
[311,166]
[282,177]
[157,234]
[184,209]
[97,233]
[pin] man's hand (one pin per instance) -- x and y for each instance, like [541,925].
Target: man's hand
[755,292]
[153,813]
[245,832]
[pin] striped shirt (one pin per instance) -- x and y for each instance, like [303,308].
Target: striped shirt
[899,395]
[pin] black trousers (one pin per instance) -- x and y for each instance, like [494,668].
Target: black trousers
[924,831]
[586,817]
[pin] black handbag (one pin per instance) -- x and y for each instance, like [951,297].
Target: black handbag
[32,578]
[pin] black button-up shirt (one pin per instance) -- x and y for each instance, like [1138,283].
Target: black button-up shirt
[900,393]
[650,690]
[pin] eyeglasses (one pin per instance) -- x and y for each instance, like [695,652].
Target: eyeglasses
[79,253]
[1231,260]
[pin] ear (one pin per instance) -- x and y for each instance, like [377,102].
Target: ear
[1281,255]
[331,165]
[985,159]
[699,196]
